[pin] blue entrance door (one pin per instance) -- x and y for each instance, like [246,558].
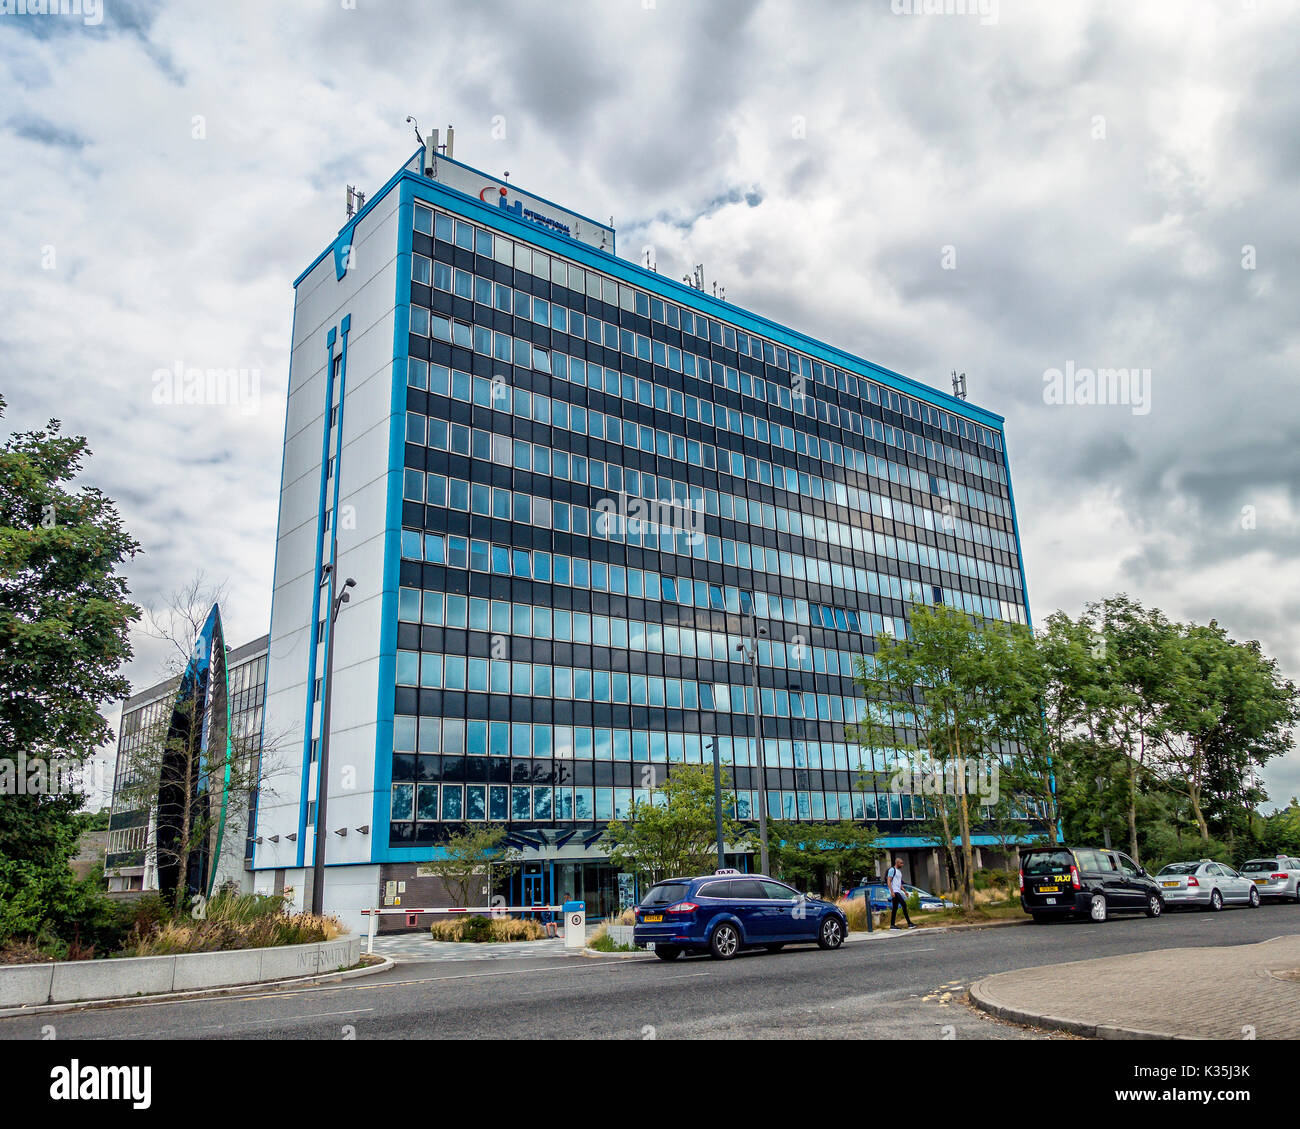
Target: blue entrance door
[534,887]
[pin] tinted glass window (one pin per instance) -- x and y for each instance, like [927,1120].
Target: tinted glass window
[1127,865]
[777,891]
[1090,861]
[1181,868]
[714,890]
[1257,866]
[1045,862]
[748,889]
[665,893]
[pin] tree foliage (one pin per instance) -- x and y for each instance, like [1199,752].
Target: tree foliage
[466,856]
[822,857]
[65,619]
[673,835]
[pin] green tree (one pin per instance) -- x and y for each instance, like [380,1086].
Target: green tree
[950,695]
[1141,669]
[64,634]
[1232,712]
[829,856]
[467,857]
[673,835]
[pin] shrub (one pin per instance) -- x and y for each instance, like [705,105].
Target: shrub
[855,909]
[229,920]
[602,942]
[479,929]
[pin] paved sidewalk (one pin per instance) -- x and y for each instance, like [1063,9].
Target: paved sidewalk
[1230,992]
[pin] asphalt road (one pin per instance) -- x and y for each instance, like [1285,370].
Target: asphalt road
[904,986]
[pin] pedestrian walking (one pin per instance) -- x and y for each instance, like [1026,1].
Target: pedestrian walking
[897,900]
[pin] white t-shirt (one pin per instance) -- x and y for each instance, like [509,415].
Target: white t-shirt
[895,877]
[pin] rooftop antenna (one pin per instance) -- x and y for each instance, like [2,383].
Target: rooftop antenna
[959,384]
[356,200]
[699,276]
[451,141]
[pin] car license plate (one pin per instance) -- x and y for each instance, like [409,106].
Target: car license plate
[1051,901]
[1169,885]
[650,917]
[1261,881]
[1049,889]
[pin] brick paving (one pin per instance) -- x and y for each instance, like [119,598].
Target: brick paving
[1227,992]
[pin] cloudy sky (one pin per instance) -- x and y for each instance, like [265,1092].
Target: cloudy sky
[1009,190]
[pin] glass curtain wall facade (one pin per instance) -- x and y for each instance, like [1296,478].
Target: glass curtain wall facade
[130,858]
[554,660]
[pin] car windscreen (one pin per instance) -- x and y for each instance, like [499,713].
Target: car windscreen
[665,893]
[1045,862]
[1181,868]
[1255,866]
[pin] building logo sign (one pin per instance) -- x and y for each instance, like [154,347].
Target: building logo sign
[516,209]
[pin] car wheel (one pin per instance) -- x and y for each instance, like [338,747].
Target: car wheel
[1097,911]
[1254,898]
[1297,893]
[724,941]
[1154,905]
[774,948]
[831,934]
[667,952]
[1216,901]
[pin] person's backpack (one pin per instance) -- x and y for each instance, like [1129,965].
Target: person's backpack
[889,879]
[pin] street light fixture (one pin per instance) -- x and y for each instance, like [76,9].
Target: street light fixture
[750,651]
[717,801]
[322,768]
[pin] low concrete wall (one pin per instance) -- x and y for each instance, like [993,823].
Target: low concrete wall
[87,980]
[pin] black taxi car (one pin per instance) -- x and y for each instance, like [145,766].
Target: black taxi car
[1090,882]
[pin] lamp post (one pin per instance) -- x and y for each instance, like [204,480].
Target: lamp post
[717,801]
[322,768]
[750,651]
[1101,787]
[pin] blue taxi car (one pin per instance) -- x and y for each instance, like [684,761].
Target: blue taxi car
[724,912]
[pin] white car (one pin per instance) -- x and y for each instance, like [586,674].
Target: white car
[1205,884]
[1276,877]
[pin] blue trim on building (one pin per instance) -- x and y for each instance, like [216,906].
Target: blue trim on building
[432,192]
[1015,525]
[475,210]
[275,563]
[525,191]
[383,778]
[904,841]
[352,222]
[313,645]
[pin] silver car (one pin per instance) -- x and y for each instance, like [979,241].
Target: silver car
[1276,877]
[1205,884]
